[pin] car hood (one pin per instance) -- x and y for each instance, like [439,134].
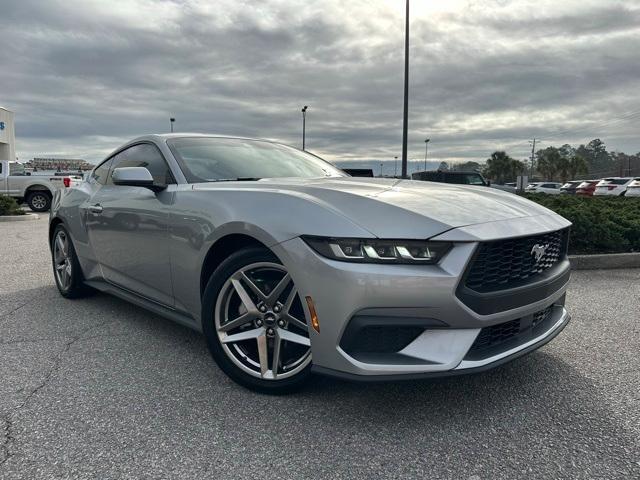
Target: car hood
[391,208]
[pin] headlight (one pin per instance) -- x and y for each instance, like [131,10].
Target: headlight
[379,251]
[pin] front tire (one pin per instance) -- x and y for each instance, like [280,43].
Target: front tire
[39,201]
[66,268]
[255,324]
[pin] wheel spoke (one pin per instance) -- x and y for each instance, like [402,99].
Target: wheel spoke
[60,244]
[263,354]
[294,321]
[238,322]
[275,360]
[276,292]
[294,338]
[290,298]
[245,298]
[61,266]
[254,288]
[246,335]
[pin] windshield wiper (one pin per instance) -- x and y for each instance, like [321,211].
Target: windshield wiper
[239,179]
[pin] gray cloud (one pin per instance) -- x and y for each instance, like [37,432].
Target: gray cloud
[85,76]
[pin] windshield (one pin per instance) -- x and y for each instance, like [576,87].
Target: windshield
[209,159]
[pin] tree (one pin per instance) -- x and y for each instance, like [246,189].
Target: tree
[550,163]
[444,166]
[577,166]
[502,168]
[470,166]
[596,155]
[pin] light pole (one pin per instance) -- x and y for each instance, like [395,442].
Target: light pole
[405,120]
[304,125]
[171,120]
[381,169]
[395,170]
[426,150]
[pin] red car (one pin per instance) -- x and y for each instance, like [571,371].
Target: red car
[587,188]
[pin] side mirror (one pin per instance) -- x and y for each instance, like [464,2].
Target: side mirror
[135,177]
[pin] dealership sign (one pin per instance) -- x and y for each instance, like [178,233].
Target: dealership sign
[1,125]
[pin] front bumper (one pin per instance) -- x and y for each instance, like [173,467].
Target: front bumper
[423,295]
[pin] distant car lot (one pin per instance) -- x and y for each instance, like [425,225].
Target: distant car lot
[98,388]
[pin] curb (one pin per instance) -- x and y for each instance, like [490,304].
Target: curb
[19,218]
[605,261]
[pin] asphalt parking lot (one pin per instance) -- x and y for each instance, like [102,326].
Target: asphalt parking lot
[97,388]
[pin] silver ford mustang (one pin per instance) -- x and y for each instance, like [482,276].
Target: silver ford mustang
[289,266]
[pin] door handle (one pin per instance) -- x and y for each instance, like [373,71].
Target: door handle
[97,208]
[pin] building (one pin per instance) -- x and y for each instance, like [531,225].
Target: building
[58,164]
[7,135]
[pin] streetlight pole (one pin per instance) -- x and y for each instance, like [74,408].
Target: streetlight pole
[171,120]
[304,125]
[381,169]
[405,120]
[426,150]
[395,170]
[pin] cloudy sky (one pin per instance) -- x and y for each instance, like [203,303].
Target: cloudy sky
[86,75]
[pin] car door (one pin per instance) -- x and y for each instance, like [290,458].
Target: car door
[128,227]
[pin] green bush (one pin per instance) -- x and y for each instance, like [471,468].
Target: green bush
[8,206]
[600,224]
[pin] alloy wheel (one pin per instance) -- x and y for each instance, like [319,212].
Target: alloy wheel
[62,260]
[261,324]
[39,201]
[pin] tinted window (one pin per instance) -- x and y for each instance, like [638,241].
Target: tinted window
[144,155]
[101,172]
[473,179]
[207,159]
[619,181]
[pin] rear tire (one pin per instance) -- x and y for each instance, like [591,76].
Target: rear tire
[66,268]
[273,354]
[39,201]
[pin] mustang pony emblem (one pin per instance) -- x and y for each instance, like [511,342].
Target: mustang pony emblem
[538,251]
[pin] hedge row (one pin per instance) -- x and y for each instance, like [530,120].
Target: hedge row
[600,224]
[8,206]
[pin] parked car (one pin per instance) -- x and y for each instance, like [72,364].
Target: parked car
[551,188]
[571,187]
[586,188]
[459,178]
[289,266]
[36,190]
[613,186]
[633,189]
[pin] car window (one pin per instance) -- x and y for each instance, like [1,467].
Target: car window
[619,181]
[100,173]
[16,169]
[144,155]
[473,179]
[210,159]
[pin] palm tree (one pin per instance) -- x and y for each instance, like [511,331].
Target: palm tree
[501,167]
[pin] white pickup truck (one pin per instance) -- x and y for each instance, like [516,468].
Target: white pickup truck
[35,190]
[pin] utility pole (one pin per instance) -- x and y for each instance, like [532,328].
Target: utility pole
[426,150]
[533,149]
[395,170]
[380,169]
[304,125]
[405,121]
[171,121]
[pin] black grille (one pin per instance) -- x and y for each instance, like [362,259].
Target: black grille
[383,339]
[507,263]
[499,338]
